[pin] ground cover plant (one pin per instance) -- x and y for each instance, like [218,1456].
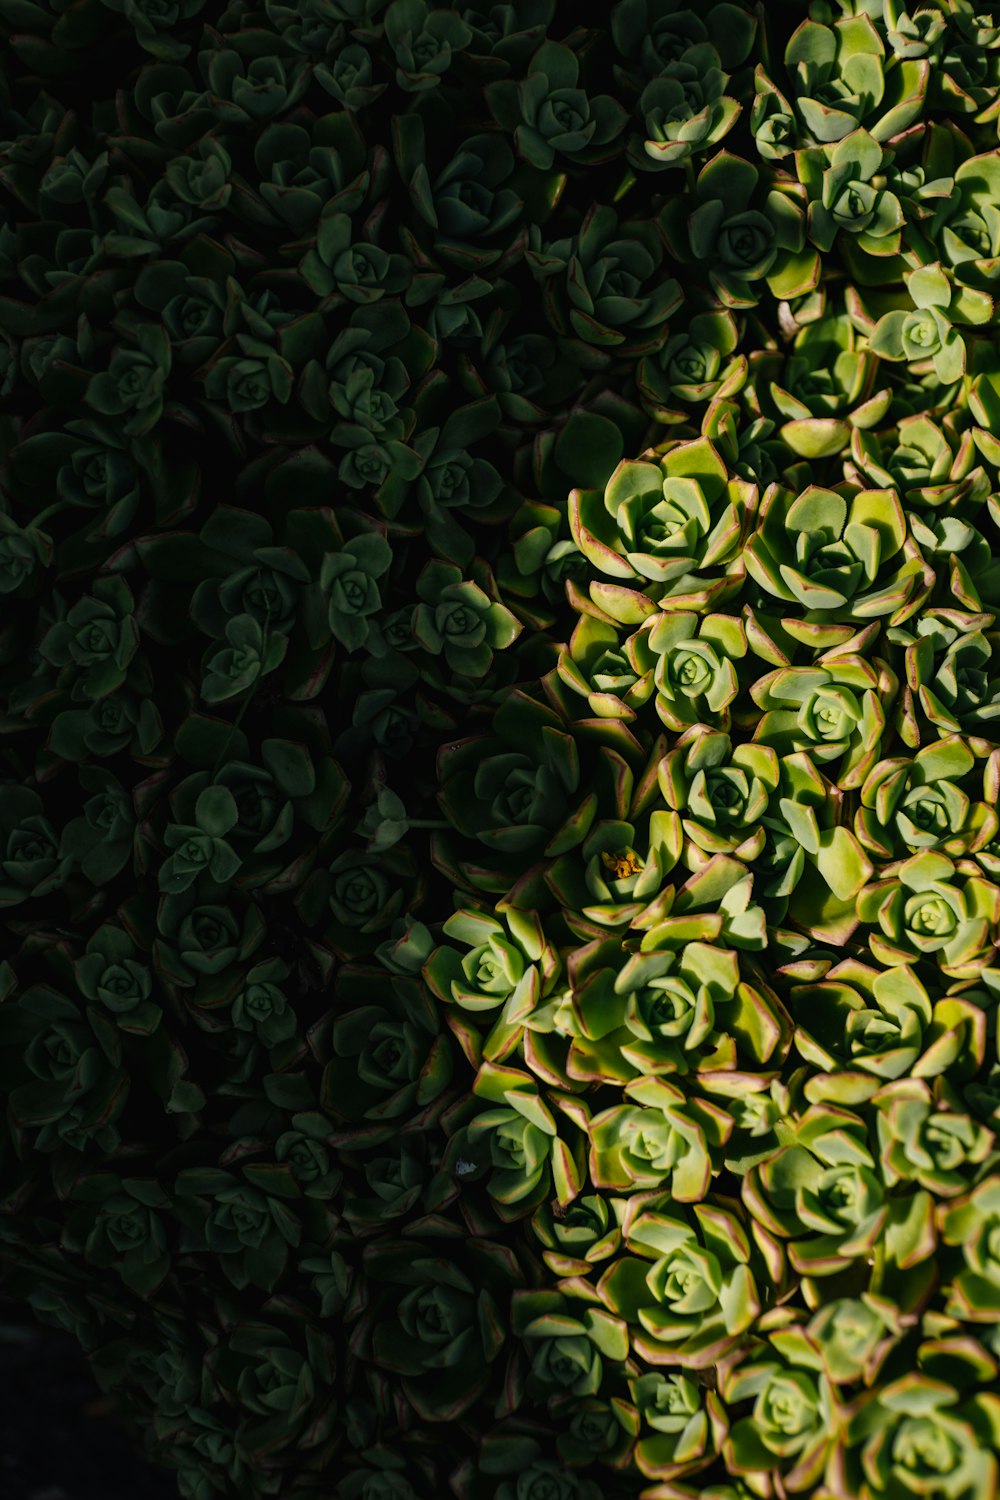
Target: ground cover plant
[499,847]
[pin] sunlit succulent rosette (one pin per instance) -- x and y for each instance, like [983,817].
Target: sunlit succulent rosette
[386,1055]
[721,792]
[856,1335]
[832,556]
[841,78]
[715,903]
[846,196]
[679,1424]
[618,870]
[927,330]
[604,669]
[834,711]
[822,391]
[934,465]
[808,864]
[910,803]
[508,968]
[525,1143]
[567,1343]
[862,1027]
[677,523]
[659,1137]
[925,1137]
[578,1239]
[930,1429]
[684,111]
[692,1282]
[970,1226]
[929,909]
[437,1322]
[681,1009]
[821,1192]
[603,286]
[943,485]
[949,683]
[795,1419]
[693,666]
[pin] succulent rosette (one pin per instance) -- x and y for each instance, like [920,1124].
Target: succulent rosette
[747,234]
[919,802]
[834,556]
[924,1139]
[859,1025]
[794,1419]
[821,1192]
[970,1224]
[920,1431]
[832,711]
[927,335]
[722,791]
[685,109]
[677,523]
[823,390]
[841,79]
[687,1286]
[929,910]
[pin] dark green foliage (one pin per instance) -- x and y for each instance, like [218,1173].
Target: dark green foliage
[499,848]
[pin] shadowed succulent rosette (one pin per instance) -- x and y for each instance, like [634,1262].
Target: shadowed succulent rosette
[684,110]
[971,1224]
[435,1323]
[930,1429]
[565,1342]
[747,234]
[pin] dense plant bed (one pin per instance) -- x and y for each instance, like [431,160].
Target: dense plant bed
[499,848]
